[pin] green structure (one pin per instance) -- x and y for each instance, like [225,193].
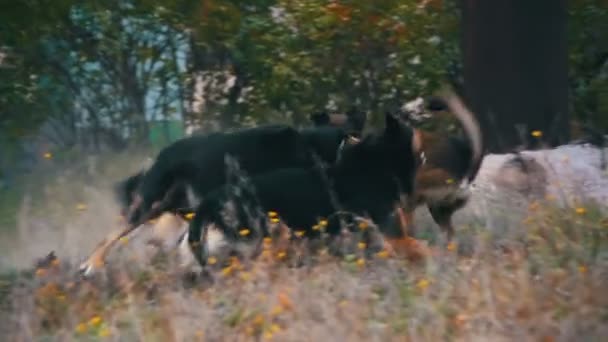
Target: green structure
[165,132]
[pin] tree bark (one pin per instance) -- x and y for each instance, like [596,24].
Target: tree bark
[515,71]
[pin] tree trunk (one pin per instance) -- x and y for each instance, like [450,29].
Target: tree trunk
[515,71]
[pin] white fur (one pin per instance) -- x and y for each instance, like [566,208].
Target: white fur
[443,193]
[216,242]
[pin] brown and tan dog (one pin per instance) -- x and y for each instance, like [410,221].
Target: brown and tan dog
[449,165]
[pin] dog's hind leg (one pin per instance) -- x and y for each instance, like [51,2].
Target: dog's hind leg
[406,221]
[97,258]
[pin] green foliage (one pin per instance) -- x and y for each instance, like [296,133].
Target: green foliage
[588,61]
[123,63]
[349,53]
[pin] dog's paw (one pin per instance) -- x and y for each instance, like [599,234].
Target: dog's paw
[87,269]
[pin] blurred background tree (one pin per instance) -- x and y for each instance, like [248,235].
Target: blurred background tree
[106,74]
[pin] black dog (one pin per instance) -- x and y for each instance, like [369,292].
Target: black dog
[255,153]
[184,172]
[369,179]
[324,140]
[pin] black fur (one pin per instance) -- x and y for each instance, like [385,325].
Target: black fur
[320,119]
[199,162]
[368,180]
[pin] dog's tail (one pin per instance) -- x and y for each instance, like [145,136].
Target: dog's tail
[471,127]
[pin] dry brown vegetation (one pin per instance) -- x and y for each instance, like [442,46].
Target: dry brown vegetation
[539,277]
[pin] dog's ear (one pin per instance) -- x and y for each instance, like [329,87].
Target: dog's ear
[392,126]
[394,129]
[320,118]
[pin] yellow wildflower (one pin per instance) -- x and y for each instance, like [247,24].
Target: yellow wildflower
[537,133]
[272,214]
[451,246]
[245,276]
[316,227]
[275,220]
[582,269]
[361,245]
[226,271]
[422,284]
[268,335]
[275,328]
[360,262]
[363,225]
[189,216]
[124,240]
[285,301]
[81,328]
[104,332]
[211,260]
[81,206]
[95,321]
[281,255]
[299,233]
[323,223]
[383,254]
[581,211]
[48,155]
[276,310]
[258,320]
[449,181]
[244,232]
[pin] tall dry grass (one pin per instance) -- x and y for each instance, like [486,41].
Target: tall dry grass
[537,272]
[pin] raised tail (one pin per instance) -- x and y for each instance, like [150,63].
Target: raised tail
[471,127]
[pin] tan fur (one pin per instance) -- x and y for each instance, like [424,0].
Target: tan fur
[471,128]
[438,187]
[165,224]
[167,227]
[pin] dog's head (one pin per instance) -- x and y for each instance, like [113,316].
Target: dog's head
[142,198]
[421,110]
[396,148]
